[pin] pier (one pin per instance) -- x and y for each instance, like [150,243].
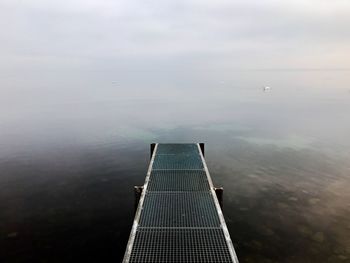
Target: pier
[178,216]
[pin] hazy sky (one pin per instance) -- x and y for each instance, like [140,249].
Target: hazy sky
[174,35]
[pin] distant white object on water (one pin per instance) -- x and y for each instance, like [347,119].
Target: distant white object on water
[266,88]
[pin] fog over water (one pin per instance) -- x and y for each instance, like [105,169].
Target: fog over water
[71,155]
[86,86]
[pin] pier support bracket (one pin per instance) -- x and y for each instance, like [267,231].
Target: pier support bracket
[201,145]
[137,192]
[219,191]
[152,146]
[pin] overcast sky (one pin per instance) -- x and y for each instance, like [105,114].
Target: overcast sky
[177,34]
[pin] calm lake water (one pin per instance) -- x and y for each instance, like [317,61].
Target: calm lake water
[73,145]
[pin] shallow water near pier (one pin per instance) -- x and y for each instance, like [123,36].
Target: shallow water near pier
[70,155]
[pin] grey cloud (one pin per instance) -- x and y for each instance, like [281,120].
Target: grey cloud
[202,34]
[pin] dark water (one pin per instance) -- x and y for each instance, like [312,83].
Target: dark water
[71,152]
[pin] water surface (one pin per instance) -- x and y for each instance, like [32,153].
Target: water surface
[73,145]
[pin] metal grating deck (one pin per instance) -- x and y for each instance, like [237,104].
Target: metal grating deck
[178,217]
[180,245]
[177,161]
[173,209]
[178,180]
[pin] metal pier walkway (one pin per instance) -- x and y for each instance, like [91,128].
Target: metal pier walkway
[179,218]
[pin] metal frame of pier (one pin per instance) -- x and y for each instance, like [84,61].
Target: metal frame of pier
[179,218]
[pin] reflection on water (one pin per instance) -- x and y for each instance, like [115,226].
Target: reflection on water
[68,166]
